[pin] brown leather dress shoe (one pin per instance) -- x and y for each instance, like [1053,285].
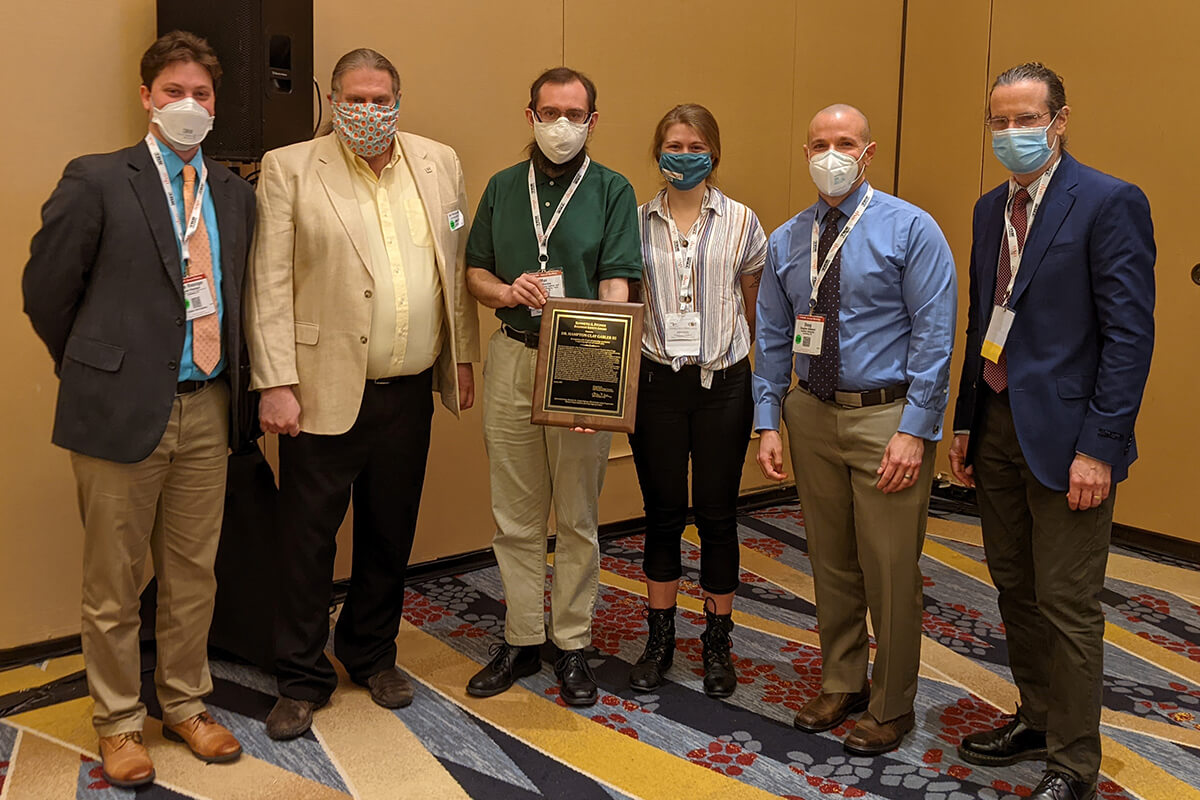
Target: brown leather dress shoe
[871,737]
[389,688]
[126,762]
[290,718]
[826,711]
[208,739]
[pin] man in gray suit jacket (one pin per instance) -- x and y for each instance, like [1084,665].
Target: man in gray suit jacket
[134,283]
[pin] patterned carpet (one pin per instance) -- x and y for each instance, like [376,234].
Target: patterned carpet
[676,742]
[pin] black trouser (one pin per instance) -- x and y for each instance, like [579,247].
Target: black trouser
[1048,563]
[380,461]
[677,417]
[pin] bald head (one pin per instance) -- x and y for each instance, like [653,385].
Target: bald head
[843,118]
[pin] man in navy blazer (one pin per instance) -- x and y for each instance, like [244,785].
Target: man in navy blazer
[1059,337]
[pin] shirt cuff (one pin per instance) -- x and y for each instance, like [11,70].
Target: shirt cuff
[766,416]
[921,422]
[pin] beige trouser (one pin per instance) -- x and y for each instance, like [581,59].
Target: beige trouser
[530,465]
[169,504]
[864,546]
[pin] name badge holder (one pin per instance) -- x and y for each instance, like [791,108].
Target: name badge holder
[683,326]
[551,279]
[1003,314]
[200,302]
[810,327]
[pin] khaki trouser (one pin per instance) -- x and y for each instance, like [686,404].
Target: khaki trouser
[531,465]
[864,546]
[170,505]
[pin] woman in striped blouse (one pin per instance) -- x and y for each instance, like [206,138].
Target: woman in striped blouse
[704,255]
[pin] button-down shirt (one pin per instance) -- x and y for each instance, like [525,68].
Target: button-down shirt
[188,371]
[897,317]
[729,244]
[407,315]
[596,237]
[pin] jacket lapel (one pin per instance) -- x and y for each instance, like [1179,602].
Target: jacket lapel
[335,177]
[228,227]
[1057,202]
[149,191]
[425,175]
[989,249]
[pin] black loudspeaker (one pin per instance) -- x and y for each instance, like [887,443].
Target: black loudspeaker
[265,99]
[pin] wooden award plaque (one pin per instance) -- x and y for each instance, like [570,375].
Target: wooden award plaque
[589,356]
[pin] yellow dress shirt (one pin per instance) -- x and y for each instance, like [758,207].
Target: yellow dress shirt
[407,317]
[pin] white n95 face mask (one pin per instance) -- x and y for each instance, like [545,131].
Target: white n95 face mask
[560,140]
[834,172]
[184,123]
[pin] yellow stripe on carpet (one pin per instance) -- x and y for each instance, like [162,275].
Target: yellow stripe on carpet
[1179,581]
[376,753]
[40,770]
[1128,641]
[248,778]
[612,758]
[14,680]
[1142,777]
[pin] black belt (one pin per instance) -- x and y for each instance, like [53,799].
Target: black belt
[527,338]
[187,387]
[870,397]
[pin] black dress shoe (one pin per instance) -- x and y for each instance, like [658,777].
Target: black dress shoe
[291,718]
[508,663]
[1009,744]
[389,688]
[1060,786]
[656,659]
[577,686]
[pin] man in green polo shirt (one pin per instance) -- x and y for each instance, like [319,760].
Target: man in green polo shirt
[583,242]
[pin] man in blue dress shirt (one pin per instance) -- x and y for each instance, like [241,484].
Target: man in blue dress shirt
[859,295]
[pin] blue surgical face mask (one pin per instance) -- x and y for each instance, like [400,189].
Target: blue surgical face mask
[685,170]
[1023,150]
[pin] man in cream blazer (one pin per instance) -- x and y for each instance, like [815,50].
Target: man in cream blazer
[357,310]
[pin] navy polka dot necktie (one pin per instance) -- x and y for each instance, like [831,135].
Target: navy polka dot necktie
[823,369]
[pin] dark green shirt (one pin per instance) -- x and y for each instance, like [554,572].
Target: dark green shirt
[595,239]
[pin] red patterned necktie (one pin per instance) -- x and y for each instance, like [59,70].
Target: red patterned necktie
[996,373]
[206,330]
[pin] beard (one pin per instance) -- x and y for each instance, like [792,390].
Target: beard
[548,167]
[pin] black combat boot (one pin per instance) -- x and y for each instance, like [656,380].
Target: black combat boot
[656,659]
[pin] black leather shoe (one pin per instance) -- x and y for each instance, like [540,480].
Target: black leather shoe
[291,718]
[577,686]
[508,663]
[1009,744]
[656,659]
[1060,786]
[720,679]
[389,688]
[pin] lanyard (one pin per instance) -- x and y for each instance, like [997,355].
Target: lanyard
[684,262]
[185,235]
[543,237]
[1015,249]
[819,275]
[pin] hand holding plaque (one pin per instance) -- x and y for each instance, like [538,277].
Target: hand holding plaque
[589,357]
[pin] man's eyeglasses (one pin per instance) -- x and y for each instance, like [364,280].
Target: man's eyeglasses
[550,114]
[1019,121]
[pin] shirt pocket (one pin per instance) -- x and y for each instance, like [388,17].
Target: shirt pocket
[418,223]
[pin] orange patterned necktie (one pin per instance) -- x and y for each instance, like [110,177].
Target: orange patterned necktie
[206,331]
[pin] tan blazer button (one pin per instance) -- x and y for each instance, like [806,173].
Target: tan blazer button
[367,293]
[363,339]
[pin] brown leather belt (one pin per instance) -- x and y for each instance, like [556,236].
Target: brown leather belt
[527,338]
[187,387]
[870,397]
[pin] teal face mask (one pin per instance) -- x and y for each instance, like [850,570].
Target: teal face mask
[685,170]
[1022,150]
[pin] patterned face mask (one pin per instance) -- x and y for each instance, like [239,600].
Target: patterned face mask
[367,129]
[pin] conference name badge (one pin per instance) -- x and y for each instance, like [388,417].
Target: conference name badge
[810,329]
[455,218]
[552,282]
[683,334]
[997,333]
[197,297]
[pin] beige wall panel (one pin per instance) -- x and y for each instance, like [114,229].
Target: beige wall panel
[86,101]
[1130,88]
[846,55]
[465,72]
[942,138]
